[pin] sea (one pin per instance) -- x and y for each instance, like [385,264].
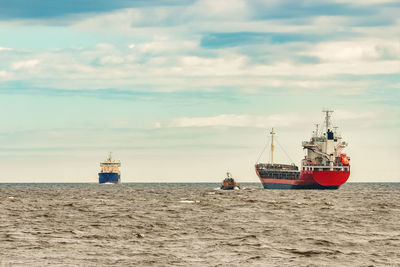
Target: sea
[191,224]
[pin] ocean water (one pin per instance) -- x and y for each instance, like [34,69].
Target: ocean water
[198,225]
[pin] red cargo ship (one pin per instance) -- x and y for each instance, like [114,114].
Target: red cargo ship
[324,166]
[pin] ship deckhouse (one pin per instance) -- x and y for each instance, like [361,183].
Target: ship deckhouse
[324,151]
[110,165]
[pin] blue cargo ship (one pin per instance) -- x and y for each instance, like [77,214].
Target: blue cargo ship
[110,171]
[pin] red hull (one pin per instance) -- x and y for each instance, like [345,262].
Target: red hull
[327,178]
[308,180]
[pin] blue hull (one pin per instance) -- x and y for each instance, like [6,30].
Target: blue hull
[291,186]
[229,187]
[109,177]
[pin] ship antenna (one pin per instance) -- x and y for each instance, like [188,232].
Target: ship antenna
[327,118]
[316,129]
[272,145]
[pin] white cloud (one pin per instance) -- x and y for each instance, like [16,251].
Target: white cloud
[165,45]
[352,115]
[171,67]
[27,64]
[111,60]
[105,47]
[234,120]
[157,125]
[218,10]
[5,48]
[362,49]
[169,57]
[4,74]
[281,120]
[329,68]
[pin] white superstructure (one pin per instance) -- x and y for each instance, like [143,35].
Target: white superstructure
[324,150]
[110,165]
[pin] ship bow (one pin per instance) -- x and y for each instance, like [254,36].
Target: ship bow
[331,178]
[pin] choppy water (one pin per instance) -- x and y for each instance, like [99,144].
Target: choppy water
[197,225]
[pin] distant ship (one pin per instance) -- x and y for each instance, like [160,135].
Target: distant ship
[229,183]
[324,166]
[109,171]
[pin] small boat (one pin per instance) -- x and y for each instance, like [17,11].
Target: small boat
[229,183]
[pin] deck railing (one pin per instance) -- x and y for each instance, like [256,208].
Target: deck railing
[325,168]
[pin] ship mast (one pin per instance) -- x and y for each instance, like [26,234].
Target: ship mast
[327,118]
[272,145]
[329,137]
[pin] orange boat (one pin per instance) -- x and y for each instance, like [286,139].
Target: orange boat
[229,183]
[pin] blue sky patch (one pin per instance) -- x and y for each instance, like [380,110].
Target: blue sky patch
[232,39]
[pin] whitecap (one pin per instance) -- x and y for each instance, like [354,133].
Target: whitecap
[189,201]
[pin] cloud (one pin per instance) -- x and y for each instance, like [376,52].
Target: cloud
[234,120]
[28,64]
[168,66]
[355,50]
[279,57]
[351,115]
[279,120]
[219,10]
[5,48]
[4,74]
[166,46]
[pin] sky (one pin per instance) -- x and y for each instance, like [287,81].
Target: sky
[183,91]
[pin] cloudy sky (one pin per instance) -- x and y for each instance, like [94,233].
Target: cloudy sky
[186,90]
